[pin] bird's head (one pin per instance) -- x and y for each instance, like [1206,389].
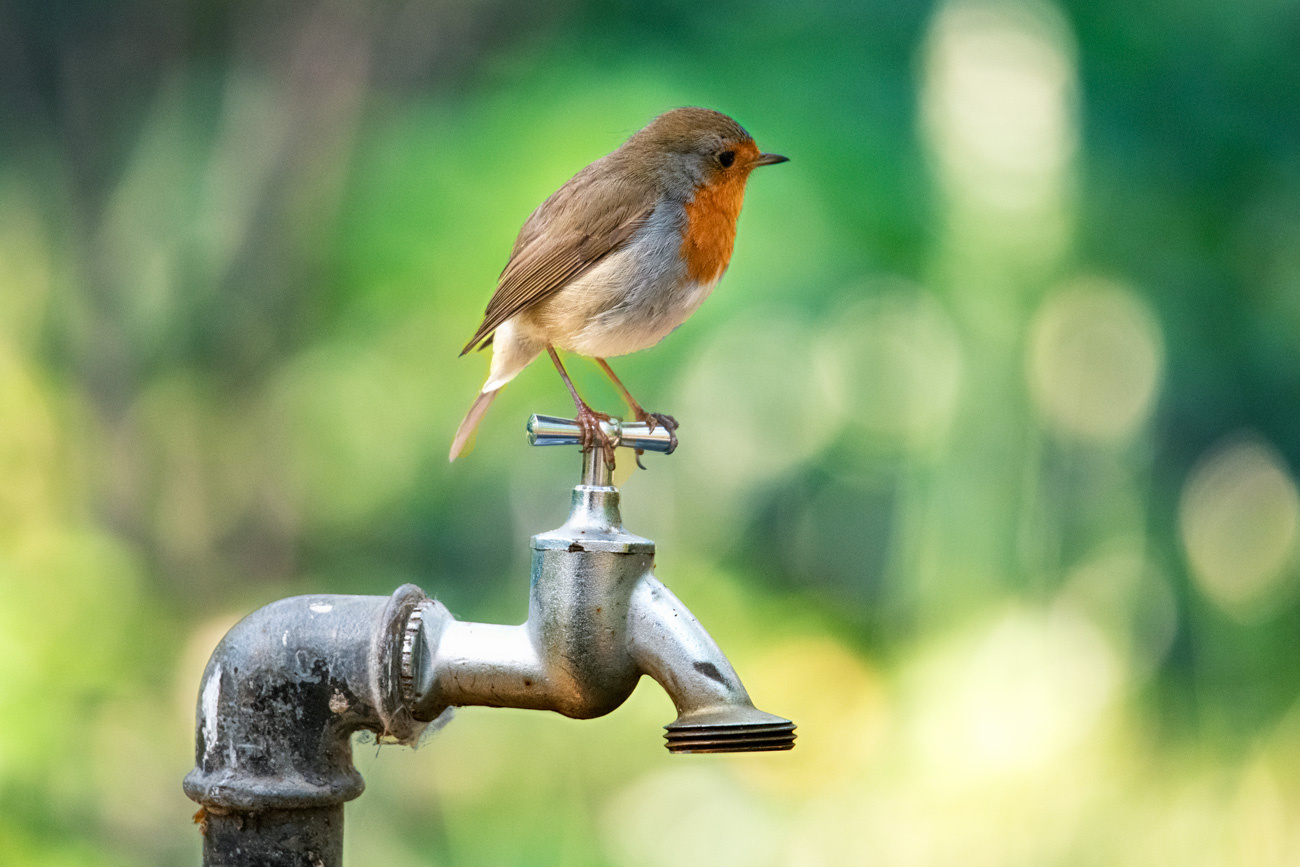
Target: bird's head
[693,147]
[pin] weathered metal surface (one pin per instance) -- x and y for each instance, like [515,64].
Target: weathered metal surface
[308,837]
[278,703]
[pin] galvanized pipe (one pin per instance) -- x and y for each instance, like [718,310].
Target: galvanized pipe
[302,837]
[281,696]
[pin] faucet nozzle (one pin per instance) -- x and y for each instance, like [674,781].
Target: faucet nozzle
[734,729]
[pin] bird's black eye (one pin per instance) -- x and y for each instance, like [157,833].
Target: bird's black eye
[727,158]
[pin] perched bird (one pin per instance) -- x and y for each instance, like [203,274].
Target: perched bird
[618,257]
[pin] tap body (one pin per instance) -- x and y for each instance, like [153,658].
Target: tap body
[598,619]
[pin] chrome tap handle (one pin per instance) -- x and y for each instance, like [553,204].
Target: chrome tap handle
[549,430]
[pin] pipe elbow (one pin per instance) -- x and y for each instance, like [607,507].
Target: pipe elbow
[284,691]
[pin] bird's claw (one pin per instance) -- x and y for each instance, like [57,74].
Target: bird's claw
[657,419]
[592,434]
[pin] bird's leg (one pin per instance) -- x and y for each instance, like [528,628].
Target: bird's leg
[654,419]
[588,419]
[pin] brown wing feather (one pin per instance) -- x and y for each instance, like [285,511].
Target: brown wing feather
[585,220]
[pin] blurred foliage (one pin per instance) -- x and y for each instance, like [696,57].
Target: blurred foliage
[989,442]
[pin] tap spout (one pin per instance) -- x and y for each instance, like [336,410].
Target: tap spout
[714,711]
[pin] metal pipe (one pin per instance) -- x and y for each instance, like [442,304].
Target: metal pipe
[302,837]
[278,703]
[288,686]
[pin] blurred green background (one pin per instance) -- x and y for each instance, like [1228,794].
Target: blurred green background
[990,435]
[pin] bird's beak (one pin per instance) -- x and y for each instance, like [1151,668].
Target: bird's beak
[770,159]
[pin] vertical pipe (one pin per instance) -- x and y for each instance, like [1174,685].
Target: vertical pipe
[308,837]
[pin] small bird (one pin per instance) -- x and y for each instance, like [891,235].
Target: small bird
[618,257]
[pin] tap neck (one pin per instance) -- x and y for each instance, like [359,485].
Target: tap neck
[595,507]
[595,524]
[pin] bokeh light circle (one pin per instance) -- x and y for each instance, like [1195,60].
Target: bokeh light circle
[1010,696]
[893,364]
[998,103]
[1238,517]
[1095,361]
[755,395]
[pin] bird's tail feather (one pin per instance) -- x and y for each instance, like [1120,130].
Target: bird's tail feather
[463,444]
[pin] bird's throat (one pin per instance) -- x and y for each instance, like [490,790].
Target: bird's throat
[711,227]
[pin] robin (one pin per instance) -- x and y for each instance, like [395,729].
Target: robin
[617,258]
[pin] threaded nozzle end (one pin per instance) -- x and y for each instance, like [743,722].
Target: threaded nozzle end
[730,737]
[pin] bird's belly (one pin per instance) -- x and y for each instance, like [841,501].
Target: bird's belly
[630,301]
[641,321]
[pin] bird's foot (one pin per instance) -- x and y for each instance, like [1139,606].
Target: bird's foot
[592,435]
[658,419]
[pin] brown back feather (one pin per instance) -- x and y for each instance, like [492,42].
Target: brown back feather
[591,216]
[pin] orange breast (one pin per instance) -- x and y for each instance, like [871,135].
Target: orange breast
[711,225]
